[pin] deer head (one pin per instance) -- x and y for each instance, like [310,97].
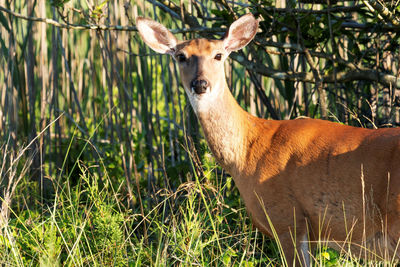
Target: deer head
[201,61]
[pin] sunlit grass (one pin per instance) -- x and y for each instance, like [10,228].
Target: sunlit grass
[88,223]
[203,222]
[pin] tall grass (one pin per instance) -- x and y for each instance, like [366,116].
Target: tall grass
[88,223]
[102,161]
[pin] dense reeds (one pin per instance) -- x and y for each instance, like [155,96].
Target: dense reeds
[102,160]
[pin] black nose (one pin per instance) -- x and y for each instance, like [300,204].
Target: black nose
[199,86]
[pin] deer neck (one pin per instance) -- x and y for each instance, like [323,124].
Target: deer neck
[225,126]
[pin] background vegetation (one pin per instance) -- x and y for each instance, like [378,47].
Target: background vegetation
[102,161]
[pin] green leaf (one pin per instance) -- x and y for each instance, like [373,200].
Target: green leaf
[102,4]
[4,22]
[3,47]
[226,260]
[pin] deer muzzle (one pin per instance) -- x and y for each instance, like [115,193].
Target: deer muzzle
[199,86]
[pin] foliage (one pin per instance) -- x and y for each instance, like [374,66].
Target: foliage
[90,224]
[108,161]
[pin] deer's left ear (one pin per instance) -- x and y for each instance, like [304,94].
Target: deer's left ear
[240,33]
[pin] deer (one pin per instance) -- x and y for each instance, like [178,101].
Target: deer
[303,180]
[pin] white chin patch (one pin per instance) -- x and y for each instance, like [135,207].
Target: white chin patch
[205,101]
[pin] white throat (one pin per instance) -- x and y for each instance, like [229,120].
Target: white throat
[222,121]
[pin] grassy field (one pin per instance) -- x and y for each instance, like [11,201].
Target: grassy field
[89,222]
[202,222]
[102,162]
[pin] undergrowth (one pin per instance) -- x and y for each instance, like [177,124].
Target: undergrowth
[89,221]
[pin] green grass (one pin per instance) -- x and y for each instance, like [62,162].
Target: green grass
[87,223]
[134,111]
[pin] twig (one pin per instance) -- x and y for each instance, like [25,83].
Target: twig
[354,74]
[303,10]
[343,76]
[369,27]
[228,7]
[318,81]
[30,143]
[70,26]
[193,28]
[166,7]
[315,71]
[337,9]
[171,8]
[261,93]
[104,27]
[383,12]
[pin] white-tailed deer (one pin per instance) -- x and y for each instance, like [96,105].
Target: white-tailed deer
[310,180]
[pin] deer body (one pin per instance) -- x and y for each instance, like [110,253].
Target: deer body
[312,179]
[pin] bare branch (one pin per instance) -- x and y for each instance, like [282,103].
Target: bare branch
[70,26]
[369,27]
[383,12]
[104,27]
[189,20]
[354,74]
[344,76]
[171,8]
[336,9]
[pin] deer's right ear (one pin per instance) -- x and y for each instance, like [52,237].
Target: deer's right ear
[155,35]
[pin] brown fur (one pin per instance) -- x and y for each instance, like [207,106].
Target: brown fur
[313,179]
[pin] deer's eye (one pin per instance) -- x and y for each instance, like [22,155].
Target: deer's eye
[181,58]
[218,56]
